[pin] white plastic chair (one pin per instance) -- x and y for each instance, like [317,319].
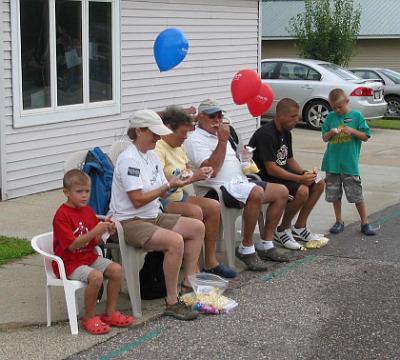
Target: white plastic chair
[228,218]
[75,161]
[117,148]
[132,263]
[43,244]
[132,258]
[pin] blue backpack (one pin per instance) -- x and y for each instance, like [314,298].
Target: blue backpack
[100,169]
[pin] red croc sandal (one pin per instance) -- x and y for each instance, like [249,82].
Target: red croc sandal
[117,319]
[95,326]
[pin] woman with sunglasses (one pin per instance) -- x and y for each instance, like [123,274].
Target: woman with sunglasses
[138,184]
[172,155]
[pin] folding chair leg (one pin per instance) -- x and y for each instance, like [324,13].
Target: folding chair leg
[228,223]
[133,284]
[71,307]
[48,305]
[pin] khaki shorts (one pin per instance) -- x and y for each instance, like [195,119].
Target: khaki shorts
[335,183]
[81,273]
[137,231]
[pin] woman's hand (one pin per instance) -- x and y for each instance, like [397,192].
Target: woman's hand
[202,173]
[176,182]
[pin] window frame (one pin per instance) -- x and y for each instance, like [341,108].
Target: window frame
[56,114]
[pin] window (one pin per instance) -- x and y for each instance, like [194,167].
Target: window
[339,71]
[294,71]
[65,60]
[267,70]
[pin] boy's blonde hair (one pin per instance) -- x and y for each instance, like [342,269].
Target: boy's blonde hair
[75,177]
[336,94]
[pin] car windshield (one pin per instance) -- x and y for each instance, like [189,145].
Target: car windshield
[392,75]
[339,71]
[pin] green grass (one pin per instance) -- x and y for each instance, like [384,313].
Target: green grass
[12,249]
[384,124]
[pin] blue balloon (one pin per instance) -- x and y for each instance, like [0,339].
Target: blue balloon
[170,48]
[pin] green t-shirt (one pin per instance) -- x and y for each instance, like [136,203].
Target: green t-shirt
[343,151]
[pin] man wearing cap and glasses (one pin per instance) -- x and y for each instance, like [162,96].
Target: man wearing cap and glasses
[209,145]
[138,183]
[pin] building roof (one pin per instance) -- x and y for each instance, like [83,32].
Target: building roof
[379,19]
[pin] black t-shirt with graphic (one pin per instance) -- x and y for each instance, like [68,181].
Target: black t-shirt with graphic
[271,145]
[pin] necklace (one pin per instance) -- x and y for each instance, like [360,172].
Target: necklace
[142,155]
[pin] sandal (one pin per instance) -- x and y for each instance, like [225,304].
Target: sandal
[95,326]
[117,319]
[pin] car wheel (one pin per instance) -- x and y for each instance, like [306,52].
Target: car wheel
[315,113]
[393,108]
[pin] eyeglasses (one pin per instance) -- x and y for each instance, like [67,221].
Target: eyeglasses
[218,115]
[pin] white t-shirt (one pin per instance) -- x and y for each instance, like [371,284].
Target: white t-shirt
[135,170]
[200,145]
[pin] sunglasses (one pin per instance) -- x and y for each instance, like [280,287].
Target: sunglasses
[218,115]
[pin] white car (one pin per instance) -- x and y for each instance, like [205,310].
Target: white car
[309,82]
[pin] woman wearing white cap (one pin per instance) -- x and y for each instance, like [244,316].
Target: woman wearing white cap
[138,183]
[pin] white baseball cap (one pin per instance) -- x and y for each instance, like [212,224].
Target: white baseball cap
[148,119]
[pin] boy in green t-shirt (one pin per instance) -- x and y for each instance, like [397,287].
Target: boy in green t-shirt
[344,130]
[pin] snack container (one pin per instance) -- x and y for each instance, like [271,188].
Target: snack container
[208,284]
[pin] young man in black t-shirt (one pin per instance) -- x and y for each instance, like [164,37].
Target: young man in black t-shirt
[274,157]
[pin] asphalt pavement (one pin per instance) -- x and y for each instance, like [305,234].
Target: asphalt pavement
[340,302]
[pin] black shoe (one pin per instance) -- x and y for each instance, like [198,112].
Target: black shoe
[337,228]
[252,261]
[368,230]
[222,270]
[273,254]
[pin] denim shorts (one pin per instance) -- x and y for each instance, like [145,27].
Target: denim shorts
[335,183]
[166,202]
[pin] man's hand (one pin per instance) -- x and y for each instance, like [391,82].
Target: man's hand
[223,133]
[308,178]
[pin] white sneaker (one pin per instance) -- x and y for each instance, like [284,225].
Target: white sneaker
[304,234]
[286,239]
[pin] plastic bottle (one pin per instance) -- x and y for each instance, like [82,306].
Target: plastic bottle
[206,309]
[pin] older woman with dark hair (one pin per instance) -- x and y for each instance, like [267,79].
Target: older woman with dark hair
[138,184]
[174,160]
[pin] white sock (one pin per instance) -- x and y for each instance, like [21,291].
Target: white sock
[265,245]
[246,250]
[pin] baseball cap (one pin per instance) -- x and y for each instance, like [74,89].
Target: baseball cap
[209,106]
[148,119]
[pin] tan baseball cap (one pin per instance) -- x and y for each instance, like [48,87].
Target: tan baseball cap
[148,119]
[209,106]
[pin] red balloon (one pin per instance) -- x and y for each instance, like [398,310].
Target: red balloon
[245,86]
[262,101]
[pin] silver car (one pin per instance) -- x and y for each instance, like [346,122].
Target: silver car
[309,82]
[391,80]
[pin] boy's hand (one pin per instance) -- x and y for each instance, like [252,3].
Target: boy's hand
[101,228]
[111,227]
[334,131]
[347,130]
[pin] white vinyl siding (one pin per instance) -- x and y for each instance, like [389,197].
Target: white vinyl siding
[223,39]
